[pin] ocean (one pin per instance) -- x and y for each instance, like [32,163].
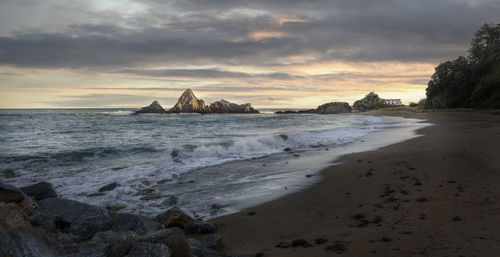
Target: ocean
[208,165]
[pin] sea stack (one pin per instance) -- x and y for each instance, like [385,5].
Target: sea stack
[224,106]
[188,103]
[154,107]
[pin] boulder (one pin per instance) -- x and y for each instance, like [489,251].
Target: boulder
[174,217]
[142,249]
[40,191]
[102,244]
[9,193]
[19,238]
[199,227]
[188,103]
[93,220]
[131,222]
[154,107]
[171,237]
[109,187]
[75,217]
[224,106]
[334,108]
[121,245]
[206,246]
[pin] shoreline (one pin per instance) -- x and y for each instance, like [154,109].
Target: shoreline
[414,219]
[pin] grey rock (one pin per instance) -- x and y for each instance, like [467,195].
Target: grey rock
[334,108]
[90,222]
[171,237]
[131,222]
[154,107]
[10,193]
[142,249]
[174,217]
[40,191]
[224,106]
[121,245]
[169,201]
[97,246]
[199,227]
[22,243]
[109,187]
[72,216]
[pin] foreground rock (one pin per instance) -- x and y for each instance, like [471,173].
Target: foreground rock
[40,191]
[328,108]
[174,217]
[72,216]
[224,106]
[154,107]
[171,237]
[9,193]
[131,222]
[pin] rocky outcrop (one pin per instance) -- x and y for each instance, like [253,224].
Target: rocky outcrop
[154,107]
[328,108]
[224,106]
[369,102]
[188,103]
[334,108]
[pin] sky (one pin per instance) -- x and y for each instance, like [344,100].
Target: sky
[271,53]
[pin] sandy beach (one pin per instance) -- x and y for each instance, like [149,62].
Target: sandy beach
[434,195]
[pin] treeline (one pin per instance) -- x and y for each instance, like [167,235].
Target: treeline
[472,81]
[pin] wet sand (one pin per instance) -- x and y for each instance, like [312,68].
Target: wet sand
[435,195]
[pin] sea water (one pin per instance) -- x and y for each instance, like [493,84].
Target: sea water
[208,165]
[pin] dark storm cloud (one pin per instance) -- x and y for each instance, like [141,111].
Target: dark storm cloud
[222,32]
[208,73]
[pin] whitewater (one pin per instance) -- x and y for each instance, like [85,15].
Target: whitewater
[209,165]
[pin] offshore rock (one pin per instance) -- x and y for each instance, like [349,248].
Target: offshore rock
[224,106]
[188,103]
[40,191]
[154,107]
[334,108]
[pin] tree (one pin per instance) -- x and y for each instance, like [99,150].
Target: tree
[473,81]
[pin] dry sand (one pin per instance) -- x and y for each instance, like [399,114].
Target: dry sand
[451,171]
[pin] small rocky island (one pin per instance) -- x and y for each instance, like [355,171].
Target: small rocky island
[189,103]
[328,108]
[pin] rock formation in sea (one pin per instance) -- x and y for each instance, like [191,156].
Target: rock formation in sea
[224,106]
[328,108]
[189,103]
[333,108]
[154,107]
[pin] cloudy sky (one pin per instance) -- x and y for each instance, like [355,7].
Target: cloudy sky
[272,53]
